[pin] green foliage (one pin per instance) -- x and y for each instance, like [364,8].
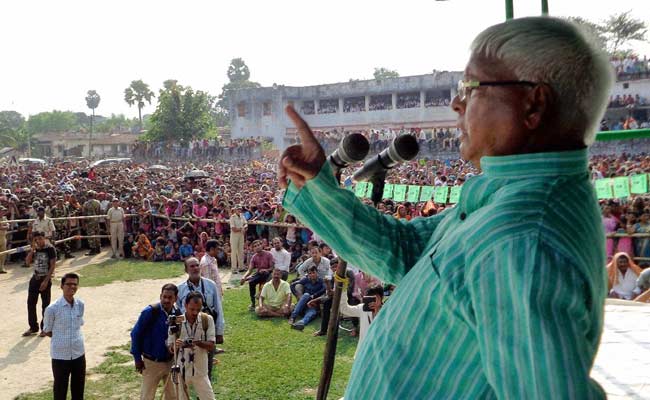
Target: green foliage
[622,28]
[264,359]
[385,73]
[239,75]
[614,33]
[117,124]
[137,93]
[12,130]
[181,114]
[54,121]
[238,71]
[93,99]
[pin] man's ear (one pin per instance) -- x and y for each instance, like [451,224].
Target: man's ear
[537,104]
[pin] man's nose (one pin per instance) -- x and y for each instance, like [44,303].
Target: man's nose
[457,105]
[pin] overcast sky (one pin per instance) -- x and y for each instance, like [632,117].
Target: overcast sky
[55,51]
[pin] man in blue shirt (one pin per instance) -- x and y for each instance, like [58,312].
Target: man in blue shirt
[211,304]
[152,359]
[313,287]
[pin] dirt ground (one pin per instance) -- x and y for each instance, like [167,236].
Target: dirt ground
[25,364]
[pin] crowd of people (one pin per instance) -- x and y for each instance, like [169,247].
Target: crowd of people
[208,149]
[630,67]
[410,100]
[627,101]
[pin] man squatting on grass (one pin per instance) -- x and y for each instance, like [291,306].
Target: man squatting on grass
[497,297]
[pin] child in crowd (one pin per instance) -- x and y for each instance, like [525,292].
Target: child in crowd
[159,250]
[128,245]
[170,251]
[185,250]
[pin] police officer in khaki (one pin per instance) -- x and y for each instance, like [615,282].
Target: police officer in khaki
[115,220]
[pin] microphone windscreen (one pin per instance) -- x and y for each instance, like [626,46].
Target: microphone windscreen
[405,147]
[354,148]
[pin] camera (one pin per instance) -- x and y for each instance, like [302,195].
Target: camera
[188,343]
[174,322]
[366,302]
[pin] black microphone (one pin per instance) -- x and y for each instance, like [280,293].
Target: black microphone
[353,148]
[402,148]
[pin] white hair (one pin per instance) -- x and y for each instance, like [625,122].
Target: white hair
[558,53]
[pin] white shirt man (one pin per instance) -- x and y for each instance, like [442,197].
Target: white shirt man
[281,257]
[193,357]
[626,284]
[43,224]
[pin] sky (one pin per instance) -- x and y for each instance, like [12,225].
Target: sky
[55,51]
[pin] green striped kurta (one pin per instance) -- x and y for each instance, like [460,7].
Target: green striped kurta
[500,297]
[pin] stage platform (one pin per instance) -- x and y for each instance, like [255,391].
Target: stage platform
[623,362]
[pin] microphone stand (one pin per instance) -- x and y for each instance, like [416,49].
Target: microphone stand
[329,354]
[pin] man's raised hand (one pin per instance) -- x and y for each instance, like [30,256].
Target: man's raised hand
[303,161]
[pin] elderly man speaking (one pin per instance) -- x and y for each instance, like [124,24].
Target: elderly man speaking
[501,296]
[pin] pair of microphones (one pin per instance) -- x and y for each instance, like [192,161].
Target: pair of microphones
[355,147]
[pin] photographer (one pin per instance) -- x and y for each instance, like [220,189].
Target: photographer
[192,343]
[366,311]
[211,297]
[148,344]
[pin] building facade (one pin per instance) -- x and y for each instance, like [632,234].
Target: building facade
[69,144]
[420,101]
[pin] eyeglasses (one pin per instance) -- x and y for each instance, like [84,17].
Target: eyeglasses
[465,87]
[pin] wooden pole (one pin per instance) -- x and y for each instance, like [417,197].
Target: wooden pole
[332,333]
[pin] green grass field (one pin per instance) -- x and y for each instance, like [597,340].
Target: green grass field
[128,271]
[264,359]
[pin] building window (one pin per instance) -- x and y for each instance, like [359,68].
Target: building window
[435,98]
[308,107]
[266,108]
[329,106]
[381,102]
[241,109]
[408,100]
[354,104]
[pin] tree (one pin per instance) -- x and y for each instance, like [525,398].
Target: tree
[238,70]
[92,101]
[238,75]
[620,29]
[54,121]
[138,92]
[182,114]
[12,130]
[385,73]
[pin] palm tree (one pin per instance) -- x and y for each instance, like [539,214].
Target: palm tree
[138,92]
[92,101]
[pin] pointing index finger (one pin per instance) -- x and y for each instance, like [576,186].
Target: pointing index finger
[306,135]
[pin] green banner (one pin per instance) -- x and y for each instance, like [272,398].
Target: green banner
[604,189]
[413,194]
[440,195]
[369,191]
[454,195]
[399,192]
[426,193]
[388,191]
[621,187]
[639,184]
[360,189]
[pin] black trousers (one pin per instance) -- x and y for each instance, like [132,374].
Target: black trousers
[32,300]
[254,281]
[69,371]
